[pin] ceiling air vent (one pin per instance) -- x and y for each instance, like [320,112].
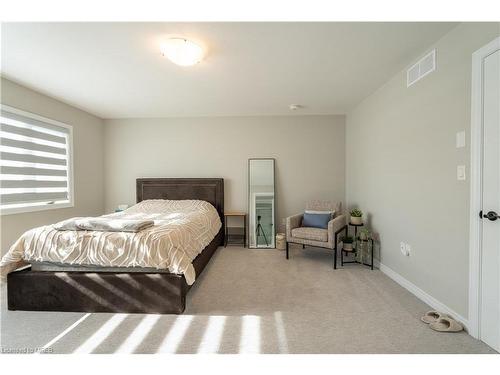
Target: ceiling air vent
[421,68]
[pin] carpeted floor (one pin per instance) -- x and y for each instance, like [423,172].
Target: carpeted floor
[254,301]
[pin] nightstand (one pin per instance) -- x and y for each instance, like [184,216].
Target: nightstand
[235,235]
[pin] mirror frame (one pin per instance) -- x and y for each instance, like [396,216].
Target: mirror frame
[249,205]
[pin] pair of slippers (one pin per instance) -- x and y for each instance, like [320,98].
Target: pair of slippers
[441,322]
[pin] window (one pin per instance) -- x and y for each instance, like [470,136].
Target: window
[35,162]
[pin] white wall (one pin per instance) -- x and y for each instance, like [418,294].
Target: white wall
[401,167]
[309,153]
[88,145]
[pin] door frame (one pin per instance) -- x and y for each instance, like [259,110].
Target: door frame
[476,174]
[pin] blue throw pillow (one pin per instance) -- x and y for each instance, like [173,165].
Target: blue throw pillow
[316,220]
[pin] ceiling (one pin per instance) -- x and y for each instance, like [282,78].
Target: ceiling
[115,70]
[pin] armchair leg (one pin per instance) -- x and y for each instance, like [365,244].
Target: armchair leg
[287,250]
[335,258]
[303,246]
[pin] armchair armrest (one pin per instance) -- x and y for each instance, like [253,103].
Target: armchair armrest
[335,225]
[292,222]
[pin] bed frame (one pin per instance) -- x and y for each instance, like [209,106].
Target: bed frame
[133,292]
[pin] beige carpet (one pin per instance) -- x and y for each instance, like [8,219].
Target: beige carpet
[255,301]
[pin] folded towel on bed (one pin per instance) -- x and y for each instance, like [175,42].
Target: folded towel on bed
[69,224]
[113,225]
[102,224]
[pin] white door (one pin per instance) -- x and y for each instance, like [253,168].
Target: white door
[489,328]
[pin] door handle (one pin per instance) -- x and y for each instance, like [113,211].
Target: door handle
[491,215]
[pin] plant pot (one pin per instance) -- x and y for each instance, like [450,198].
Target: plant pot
[347,246]
[364,235]
[357,220]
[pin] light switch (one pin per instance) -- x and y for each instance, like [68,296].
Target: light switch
[461,172]
[460,139]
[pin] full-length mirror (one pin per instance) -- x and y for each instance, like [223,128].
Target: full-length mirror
[261,205]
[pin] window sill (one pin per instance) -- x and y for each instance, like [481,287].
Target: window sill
[22,210]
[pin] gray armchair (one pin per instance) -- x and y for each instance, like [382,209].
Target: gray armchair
[317,237]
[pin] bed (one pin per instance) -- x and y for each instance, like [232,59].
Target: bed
[140,291]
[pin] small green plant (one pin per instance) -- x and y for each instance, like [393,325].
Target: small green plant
[364,234]
[348,239]
[356,213]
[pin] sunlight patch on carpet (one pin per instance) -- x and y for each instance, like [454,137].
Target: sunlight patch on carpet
[211,340]
[250,334]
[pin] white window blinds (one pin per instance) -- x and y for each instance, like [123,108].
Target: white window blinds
[35,162]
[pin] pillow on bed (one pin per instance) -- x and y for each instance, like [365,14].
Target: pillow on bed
[316,220]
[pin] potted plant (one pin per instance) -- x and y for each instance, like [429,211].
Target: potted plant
[364,234]
[347,242]
[356,216]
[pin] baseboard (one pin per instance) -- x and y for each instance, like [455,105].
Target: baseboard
[419,293]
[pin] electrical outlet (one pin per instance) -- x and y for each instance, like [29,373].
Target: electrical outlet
[408,250]
[402,247]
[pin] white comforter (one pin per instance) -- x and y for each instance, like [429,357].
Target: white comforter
[182,230]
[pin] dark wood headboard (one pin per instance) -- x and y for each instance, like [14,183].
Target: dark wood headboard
[206,189]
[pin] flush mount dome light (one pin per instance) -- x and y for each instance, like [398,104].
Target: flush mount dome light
[181,51]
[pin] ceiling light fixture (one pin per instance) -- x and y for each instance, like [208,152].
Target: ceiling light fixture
[294,107]
[181,51]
